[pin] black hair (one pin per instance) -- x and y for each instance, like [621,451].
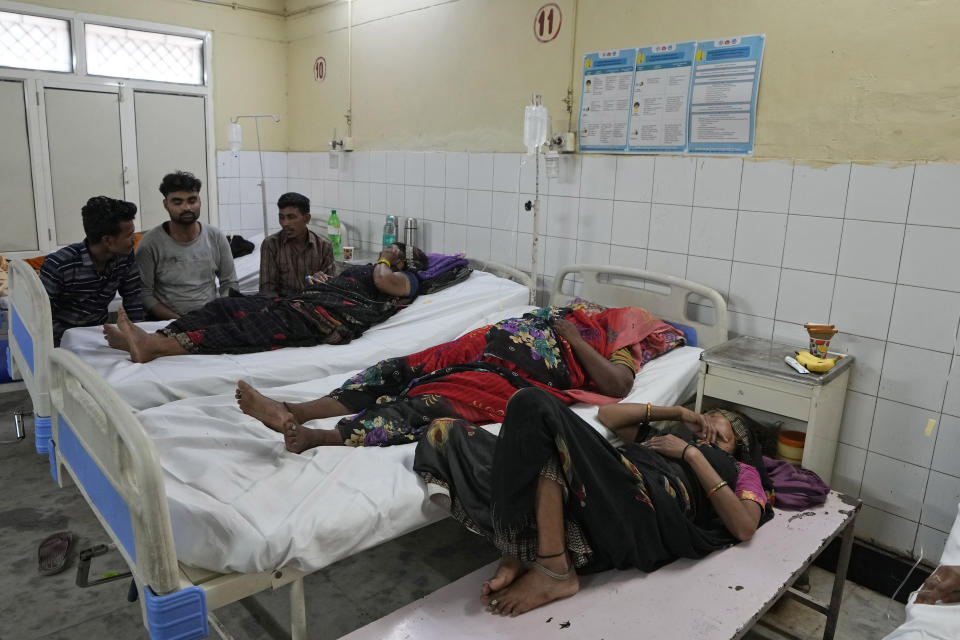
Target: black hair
[294,199]
[180,181]
[102,217]
[415,259]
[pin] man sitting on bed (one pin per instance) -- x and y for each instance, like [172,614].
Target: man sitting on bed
[83,278]
[295,252]
[181,260]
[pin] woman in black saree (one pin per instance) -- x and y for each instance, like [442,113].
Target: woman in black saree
[554,496]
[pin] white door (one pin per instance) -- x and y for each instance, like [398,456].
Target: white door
[83,138]
[171,136]
[19,229]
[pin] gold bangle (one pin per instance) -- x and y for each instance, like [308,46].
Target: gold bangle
[716,487]
[646,420]
[384,261]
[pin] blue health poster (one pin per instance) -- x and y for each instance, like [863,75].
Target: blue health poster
[661,92]
[605,99]
[723,101]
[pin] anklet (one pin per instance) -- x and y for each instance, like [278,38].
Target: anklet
[552,555]
[553,574]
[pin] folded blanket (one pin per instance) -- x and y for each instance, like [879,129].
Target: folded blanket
[438,263]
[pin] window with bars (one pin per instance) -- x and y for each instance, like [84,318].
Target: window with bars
[145,55]
[34,42]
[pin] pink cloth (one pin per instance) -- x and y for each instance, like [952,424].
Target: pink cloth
[749,486]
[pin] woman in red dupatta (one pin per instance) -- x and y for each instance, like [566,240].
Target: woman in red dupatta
[579,352]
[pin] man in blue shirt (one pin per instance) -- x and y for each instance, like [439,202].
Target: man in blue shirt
[83,278]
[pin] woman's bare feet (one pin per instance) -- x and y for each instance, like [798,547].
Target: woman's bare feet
[115,337]
[535,588]
[298,438]
[256,405]
[143,346]
[510,568]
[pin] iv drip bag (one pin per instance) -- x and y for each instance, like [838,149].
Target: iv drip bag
[534,127]
[234,136]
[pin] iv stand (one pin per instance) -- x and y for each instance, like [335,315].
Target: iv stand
[263,181]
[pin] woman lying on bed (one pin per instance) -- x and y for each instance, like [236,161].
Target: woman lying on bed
[580,352]
[554,496]
[333,311]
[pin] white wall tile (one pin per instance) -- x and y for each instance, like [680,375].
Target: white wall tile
[674,264]
[378,197]
[596,220]
[230,217]
[249,164]
[568,182]
[395,199]
[478,242]
[885,529]
[524,245]
[865,376]
[760,238]
[710,271]
[317,197]
[378,166]
[506,172]
[899,431]
[940,501]
[454,238]
[455,205]
[319,162]
[628,257]
[935,196]
[819,191]
[870,250]
[276,187]
[228,190]
[479,208]
[395,167]
[930,258]
[753,289]
[670,228]
[879,192]
[925,318]
[503,247]
[250,191]
[804,296]
[298,165]
[631,223]
[894,486]
[303,186]
[413,168]
[412,205]
[857,422]
[251,216]
[930,543]
[634,178]
[742,324]
[563,215]
[598,176]
[914,376]
[275,164]
[813,243]
[862,307]
[457,168]
[593,253]
[505,211]
[951,403]
[556,253]
[360,165]
[790,333]
[480,171]
[717,184]
[228,164]
[361,196]
[345,195]
[945,458]
[526,217]
[433,203]
[765,186]
[331,194]
[432,237]
[528,174]
[712,233]
[434,169]
[673,178]
[848,469]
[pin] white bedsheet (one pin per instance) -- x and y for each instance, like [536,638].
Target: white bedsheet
[430,320]
[248,267]
[240,502]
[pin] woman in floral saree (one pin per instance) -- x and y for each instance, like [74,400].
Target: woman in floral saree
[555,497]
[579,352]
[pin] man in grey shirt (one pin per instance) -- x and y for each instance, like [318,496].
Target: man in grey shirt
[181,260]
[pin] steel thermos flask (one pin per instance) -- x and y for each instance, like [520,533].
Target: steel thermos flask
[410,233]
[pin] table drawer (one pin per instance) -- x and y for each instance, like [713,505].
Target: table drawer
[772,400]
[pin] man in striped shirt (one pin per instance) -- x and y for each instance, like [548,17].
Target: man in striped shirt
[295,252]
[83,278]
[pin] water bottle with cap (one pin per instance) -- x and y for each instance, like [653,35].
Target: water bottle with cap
[389,231]
[333,234]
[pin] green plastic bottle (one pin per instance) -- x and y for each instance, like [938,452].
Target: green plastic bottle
[333,234]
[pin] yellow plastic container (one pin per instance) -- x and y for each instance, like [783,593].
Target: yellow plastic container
[790,446]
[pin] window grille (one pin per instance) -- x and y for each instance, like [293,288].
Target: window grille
[33,42]
[128,53]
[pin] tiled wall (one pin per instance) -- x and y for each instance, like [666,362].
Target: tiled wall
[873,249]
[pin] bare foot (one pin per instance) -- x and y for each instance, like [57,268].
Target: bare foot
[115,337]
[509,570]
[138,340]
[268,411]
[298,438]
[534,589]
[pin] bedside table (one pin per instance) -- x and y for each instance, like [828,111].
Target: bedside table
[751,372]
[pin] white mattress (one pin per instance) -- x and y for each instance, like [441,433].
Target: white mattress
[430,320]
[248,267]
[240,502]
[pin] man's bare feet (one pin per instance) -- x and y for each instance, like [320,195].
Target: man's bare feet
[535,588]
[510,568]
[268,411]
[115,337]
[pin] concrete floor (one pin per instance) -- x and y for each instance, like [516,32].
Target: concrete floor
[340,598]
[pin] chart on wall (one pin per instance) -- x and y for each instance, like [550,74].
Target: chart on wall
[681,97]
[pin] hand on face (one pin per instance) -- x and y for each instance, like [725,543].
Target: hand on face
[565,329]
[394,255]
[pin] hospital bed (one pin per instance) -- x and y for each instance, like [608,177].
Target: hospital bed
[207,507]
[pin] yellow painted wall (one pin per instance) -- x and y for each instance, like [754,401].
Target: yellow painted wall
[249,56]
[863,80]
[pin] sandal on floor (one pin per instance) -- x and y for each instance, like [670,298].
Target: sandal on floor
[53,552]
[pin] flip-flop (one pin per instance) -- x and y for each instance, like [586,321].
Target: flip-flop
[53,552]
